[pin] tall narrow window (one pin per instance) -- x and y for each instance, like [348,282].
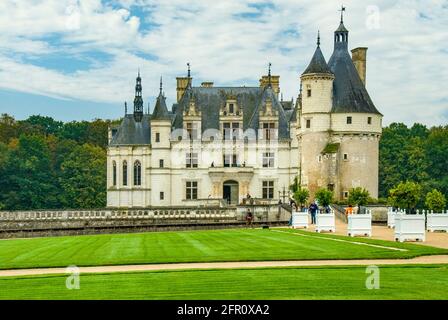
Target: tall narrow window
[192,130]
[308,93]
[157,137]
[191,190]
[161,164]
[268,189]
[230,160]
[114,173]
[162,195]
[268,130]
[137,173]
[308,123]
[125,173]
[369,120]
[231,108]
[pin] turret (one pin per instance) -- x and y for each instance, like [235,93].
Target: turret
[160,122]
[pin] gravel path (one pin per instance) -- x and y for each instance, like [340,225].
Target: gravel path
[436,259]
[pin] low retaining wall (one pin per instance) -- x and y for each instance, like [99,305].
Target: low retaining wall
[15,224]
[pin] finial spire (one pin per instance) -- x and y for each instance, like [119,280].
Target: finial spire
[189,72]
[161,84]
[318,38]
[342,13]
[139,72]
[125,108]
[269,74]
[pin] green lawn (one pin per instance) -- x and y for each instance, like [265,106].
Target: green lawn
[396,282]
[193,246]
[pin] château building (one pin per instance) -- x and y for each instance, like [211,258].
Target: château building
[220,144]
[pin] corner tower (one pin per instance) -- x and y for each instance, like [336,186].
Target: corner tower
[355,124]
[315,121]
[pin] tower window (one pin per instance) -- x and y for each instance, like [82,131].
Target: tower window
[345,157]
[369,120]
[162,195]
[349,120]
[157,137]
[308,123]
[308,93]
[161,164]
[345,194]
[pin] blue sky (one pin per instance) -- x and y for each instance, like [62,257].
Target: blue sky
[78,59]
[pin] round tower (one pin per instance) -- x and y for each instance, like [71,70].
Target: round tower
[315,121]
[355,123]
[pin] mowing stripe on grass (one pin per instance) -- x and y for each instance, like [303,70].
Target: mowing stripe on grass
[340,240]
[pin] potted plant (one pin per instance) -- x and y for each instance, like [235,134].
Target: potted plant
[325,221]
[437,220]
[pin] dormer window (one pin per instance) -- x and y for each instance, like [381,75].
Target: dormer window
[231,108]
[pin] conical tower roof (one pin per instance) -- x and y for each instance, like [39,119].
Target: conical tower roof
[160,110]
[318,63]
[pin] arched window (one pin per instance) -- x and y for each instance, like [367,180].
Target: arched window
[137,173]
[125,173]
[114,173]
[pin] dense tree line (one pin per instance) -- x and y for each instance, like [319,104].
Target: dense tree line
[48,164]
[415,154]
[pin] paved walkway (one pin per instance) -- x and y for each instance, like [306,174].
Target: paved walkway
[433,239]
[440,259]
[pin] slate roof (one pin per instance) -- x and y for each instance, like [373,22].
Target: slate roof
[160,110]
[132,132]
[317,63]
[349,92]
[209,100]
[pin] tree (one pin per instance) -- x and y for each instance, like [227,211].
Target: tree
[83,177]
[27,176]
[45,125]
[301,195]
[405,195]
[324,197]
[359,196]
[435,200]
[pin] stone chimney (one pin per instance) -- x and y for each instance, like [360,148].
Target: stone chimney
[182,83]
[207,84]
[359,58]
[275,82]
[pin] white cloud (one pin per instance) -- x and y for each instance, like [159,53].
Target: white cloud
[228,42]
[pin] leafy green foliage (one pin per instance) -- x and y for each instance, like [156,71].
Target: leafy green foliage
[301,195]
[435,200]
[324,196]
[405,195]
[48,164]
[416,154]
[358,196]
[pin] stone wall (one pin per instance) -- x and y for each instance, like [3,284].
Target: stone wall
[71,222]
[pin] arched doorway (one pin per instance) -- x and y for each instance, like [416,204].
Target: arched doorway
[230,191]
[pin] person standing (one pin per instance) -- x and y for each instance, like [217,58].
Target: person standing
[313,210]
[249,218]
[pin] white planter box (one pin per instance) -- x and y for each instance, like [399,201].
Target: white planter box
[391,219]
[359,224]
[325,222]
[409,227]
[437,222]
[299,220]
